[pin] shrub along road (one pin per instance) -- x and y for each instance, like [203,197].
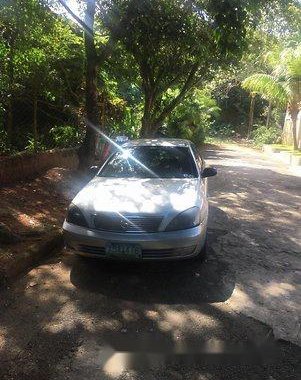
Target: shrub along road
[78,320]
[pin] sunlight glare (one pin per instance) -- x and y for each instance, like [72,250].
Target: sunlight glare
[124,151]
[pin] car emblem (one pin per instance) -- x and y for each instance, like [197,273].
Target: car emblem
[124,224]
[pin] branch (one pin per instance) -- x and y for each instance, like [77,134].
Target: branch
[68,82]
[186,87]
[105,51]
[78,19]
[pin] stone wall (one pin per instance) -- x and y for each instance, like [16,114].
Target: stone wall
[30,165]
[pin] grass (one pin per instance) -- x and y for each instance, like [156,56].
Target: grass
[288,148]
[282,146]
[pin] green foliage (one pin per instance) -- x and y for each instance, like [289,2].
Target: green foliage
[267,86]
[34,146]
[159,50]
[4,143]
[262,135]
[176,46]
[283,84]
[221,131]
[279,86]
[41,59]
[193,117]
[66,136]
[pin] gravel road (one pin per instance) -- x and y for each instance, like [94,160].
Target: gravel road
[233,317]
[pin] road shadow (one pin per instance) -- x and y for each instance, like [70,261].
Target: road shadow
[54,329]
[181,282]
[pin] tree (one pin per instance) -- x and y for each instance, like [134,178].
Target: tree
[177,44]
[87,149]
[283,85]
[279,25]
[193,117]
[38,50]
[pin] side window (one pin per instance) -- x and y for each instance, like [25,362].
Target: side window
[198,157]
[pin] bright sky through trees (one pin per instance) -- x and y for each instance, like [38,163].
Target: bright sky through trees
[74,6]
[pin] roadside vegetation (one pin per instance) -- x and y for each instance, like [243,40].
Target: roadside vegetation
[198,70]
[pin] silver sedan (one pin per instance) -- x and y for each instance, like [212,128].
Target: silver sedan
[147,202]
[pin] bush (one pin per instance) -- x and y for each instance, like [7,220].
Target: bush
[182,129]
[4,145]
[221,131]
[194,133]
[263,135]
[66,136]
[193,117]
[30,147]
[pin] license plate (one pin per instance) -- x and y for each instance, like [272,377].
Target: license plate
[123,251]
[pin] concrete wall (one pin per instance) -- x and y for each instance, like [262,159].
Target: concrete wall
[29,165]
[287,134]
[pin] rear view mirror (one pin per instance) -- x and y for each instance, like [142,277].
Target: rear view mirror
[93,171]
[209,172]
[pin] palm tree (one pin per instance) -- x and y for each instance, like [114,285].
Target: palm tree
[282,86]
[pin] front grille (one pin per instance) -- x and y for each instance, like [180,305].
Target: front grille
[168,252]
[127,223]
[92,249]
[146,253]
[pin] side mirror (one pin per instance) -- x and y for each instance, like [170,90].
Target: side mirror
[93,171]
[209,172]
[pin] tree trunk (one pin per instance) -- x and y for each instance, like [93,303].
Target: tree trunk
[149,127]
[251,115]
[146,129]
[103,113]
[295,142]
[154,116]
[293,111]
[87,150]
[35,123]
[10,122]
[269,114]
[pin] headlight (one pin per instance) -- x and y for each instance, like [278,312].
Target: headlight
[75,216]
[187,219]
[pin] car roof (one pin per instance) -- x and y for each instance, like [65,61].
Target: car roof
[158,142]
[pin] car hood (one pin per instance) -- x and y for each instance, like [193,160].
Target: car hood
[132,195]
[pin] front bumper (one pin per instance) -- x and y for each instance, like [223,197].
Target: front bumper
[171,245]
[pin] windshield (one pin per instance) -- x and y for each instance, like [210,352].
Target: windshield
[151,162]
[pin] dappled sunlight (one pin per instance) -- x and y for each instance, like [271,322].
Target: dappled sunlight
[118,363]
[182,322]
[158,282]
[263,206]
[276,289]
[140,196]
[251,160]
[39,203]
[3,337]
[105,312]
[26,220]
[110,331]
[242,299]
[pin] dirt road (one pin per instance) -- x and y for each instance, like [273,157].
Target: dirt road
[256,206]
[69,319]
